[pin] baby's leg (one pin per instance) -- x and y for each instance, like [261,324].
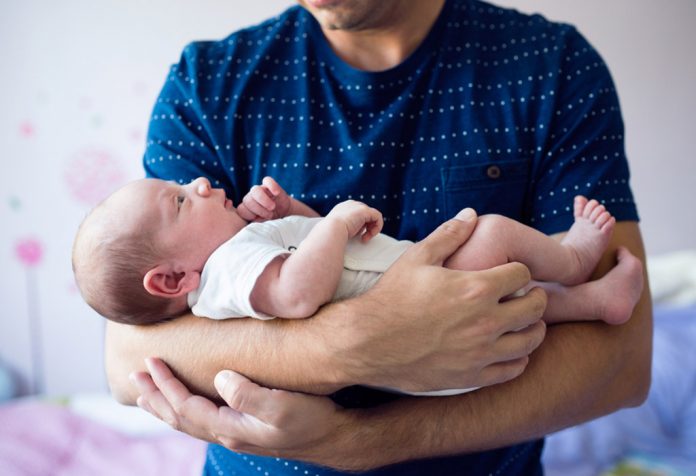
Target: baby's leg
[610,299]
[498,240]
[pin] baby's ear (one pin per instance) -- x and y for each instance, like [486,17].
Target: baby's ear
[164,282]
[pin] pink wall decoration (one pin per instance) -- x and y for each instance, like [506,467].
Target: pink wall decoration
[137,135]
[29,251]
[91,174]
[27,129]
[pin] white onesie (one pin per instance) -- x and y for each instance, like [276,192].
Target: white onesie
[231,272]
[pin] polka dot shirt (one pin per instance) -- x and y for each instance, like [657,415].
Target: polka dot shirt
[503,112]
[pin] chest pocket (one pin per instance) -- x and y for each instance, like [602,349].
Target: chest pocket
[488,187]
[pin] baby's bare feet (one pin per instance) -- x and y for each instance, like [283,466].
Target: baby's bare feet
[587,238]
[619,290]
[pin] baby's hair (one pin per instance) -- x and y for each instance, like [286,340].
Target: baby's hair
[109,267]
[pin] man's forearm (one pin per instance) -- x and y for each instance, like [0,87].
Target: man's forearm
[281,353]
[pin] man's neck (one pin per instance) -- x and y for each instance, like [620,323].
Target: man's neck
[390,42]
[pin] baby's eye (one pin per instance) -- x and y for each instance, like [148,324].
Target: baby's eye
[180,201]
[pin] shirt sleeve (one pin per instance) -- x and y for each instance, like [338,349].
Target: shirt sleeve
[181,144]
[584,150]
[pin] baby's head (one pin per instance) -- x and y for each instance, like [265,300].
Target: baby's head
[141,251]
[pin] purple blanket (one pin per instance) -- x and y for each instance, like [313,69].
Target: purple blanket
[38,438]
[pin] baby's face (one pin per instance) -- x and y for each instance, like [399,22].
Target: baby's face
[191,220]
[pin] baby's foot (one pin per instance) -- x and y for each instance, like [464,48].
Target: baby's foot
[587,238]
[618,291]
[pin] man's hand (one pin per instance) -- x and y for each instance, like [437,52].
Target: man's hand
[267,201]
[424,327]
[254,420]
[359,219]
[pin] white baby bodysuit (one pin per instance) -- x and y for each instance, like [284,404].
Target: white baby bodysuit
[230,273]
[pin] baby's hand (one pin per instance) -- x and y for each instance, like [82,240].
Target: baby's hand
[267,201]
[358,218]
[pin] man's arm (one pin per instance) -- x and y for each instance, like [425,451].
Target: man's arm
[438,335]
[582,371]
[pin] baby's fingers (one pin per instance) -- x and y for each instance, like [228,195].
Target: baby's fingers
[373,227]
[245,213]
[259,202]
[272,186]
[262,196]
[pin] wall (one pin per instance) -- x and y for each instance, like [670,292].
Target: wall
[79,80]
[649,47]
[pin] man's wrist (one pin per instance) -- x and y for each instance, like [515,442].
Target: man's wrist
[354,351]
[350,444]
[337,333]
[364,439]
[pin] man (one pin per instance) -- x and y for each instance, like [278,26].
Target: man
[420,108]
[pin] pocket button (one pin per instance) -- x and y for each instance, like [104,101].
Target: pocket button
[493,172]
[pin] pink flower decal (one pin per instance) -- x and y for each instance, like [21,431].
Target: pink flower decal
[27,129]
[92,174]
[29,251]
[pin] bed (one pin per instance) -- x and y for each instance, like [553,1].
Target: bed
[659,437]
[655,439]
[91,435]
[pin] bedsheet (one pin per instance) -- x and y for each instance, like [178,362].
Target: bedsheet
[660,435]
[39,438]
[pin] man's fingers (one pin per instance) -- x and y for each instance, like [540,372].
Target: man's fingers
[143,382]
[519,344]
[145,405]
[173,390]
[444,241]
[256,420]
[244,396]
[521,312]
[146,387]
[511,354]
[508,278]
[176,405]
[503,371]
[154,401]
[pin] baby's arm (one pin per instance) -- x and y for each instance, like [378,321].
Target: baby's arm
[297,285]
[269,201]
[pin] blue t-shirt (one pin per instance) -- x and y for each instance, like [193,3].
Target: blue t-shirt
[495,110]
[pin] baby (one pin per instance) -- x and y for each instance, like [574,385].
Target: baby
[155,249]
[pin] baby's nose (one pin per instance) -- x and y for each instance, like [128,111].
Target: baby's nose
[202,186]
